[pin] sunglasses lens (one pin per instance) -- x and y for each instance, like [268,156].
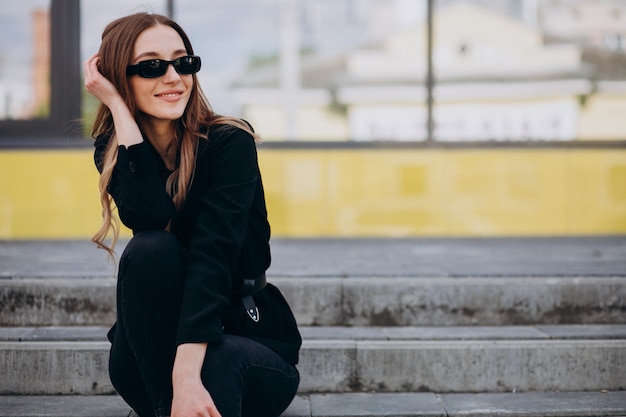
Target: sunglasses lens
[187,65]
[152,69]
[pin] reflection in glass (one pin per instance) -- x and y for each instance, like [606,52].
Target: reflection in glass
[25,60]
[355,70]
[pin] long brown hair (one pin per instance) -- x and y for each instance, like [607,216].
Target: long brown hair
[116,52]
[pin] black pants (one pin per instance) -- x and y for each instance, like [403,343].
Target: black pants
[243,377]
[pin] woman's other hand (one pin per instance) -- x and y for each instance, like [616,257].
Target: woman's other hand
[191,399]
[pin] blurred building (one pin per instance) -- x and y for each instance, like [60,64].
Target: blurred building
[591,22]
[496,79]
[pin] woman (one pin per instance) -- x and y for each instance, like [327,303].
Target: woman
[198,331]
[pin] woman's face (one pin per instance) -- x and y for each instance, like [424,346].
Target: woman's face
[164,98]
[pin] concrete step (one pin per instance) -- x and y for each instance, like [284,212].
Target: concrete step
[403,359]
[353,300]
[356,282]
[530,404]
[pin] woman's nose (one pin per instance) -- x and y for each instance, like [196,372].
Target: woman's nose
[171,74]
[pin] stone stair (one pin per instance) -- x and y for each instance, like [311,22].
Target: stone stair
[404,327]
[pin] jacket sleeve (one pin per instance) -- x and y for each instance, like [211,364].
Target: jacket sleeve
[136,187]
[219,235]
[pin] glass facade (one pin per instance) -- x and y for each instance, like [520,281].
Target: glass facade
[529,70]
[356,70]
[25,60]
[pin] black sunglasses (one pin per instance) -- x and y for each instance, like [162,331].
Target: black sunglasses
[154,68]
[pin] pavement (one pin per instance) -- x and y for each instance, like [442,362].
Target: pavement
[573,404]
[344,257]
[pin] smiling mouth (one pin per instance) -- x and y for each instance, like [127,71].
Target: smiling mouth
[169,95]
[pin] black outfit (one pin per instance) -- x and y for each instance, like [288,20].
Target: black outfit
[185,285]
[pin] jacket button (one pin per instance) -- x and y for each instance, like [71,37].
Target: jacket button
[131,166]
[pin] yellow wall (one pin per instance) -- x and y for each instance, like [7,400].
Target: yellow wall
[360,192]
[48,193]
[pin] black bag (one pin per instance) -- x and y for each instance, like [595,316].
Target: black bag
[274,326]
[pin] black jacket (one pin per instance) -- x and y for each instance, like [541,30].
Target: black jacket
[223,227]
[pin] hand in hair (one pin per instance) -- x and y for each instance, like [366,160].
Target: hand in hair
[97,85]
[126,129]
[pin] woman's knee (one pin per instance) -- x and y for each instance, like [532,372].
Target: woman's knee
[239,372]
[152,255]
[228,354]
[153,243]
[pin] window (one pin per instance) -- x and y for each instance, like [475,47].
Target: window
[39,70]
[346,70]
[25,61]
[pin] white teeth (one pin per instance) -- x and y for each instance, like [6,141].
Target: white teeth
[169,95]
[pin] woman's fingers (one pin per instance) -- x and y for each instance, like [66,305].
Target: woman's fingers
[89,66]
[96,84]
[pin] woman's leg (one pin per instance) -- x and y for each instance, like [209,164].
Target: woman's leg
[247,379]
[125,374]
[149,292]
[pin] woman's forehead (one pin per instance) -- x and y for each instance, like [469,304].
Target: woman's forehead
[158,41]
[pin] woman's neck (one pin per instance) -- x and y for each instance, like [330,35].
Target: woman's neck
[161,136]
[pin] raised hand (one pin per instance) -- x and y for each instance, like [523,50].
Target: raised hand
[97,85]
[127,131]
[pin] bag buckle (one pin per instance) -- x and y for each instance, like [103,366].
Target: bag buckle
[251,308]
